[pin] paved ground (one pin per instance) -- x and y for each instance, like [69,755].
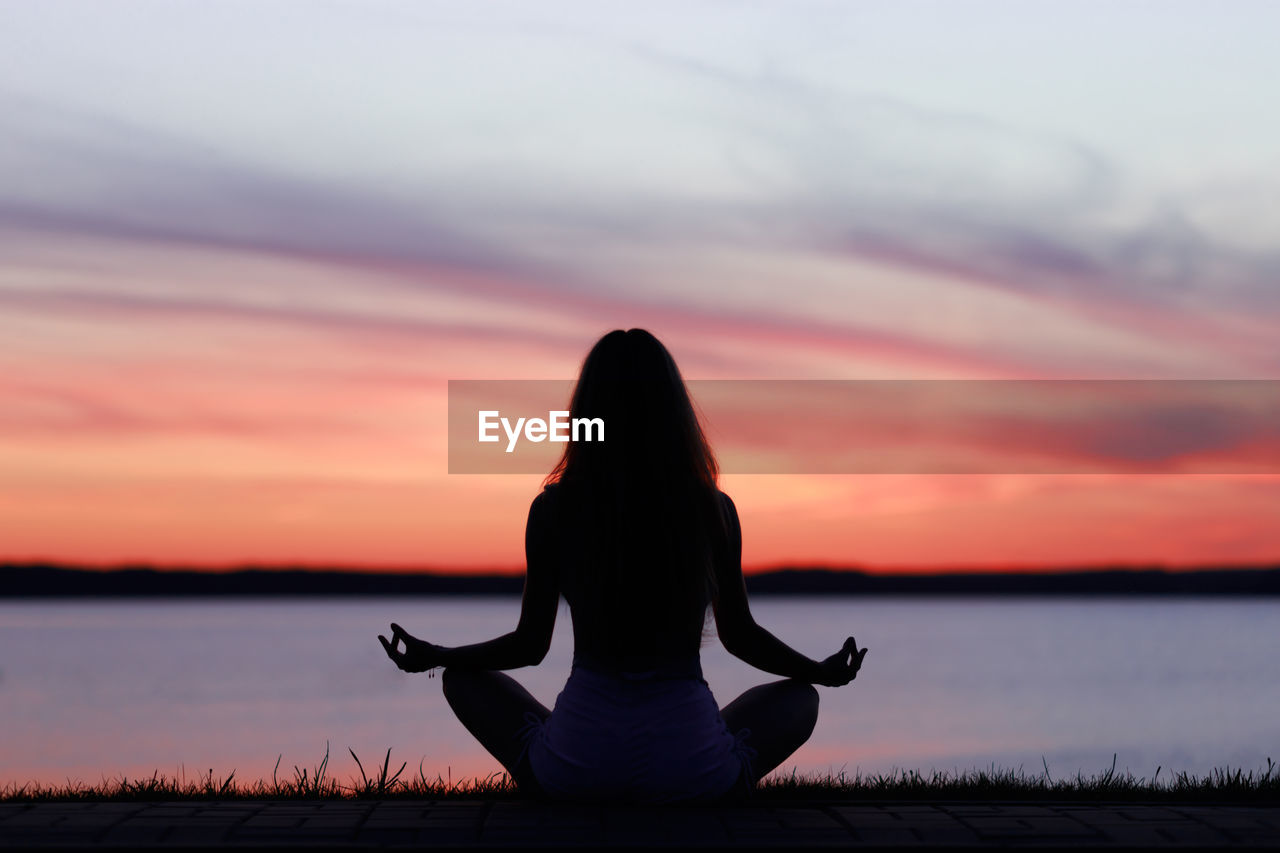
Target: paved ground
[372,824]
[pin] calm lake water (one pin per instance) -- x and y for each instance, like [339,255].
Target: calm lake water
[93,689]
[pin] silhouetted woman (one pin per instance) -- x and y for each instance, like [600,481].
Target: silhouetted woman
[636,536]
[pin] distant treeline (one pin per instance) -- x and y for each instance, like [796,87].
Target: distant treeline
[41,580]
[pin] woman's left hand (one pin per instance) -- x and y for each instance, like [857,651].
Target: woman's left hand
[418,655]
[842,667]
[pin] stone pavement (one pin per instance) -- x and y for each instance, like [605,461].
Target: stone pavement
[479,824]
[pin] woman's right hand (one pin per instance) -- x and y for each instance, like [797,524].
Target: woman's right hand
[418,655]
[842,667]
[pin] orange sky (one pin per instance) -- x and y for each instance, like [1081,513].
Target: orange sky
[233,288]
[311,429]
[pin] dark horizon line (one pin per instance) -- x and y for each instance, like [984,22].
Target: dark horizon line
[52,580]
[498,570]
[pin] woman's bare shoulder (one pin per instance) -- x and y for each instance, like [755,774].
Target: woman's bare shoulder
[546,503]
[728,507]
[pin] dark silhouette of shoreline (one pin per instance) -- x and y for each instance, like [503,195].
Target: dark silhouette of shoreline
[45,580]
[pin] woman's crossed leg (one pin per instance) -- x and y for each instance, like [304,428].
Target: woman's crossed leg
[494,708]
[780,716]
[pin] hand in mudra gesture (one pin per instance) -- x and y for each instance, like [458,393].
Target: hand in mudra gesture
[842,667]
[417,656]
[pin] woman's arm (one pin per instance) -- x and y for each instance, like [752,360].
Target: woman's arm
[525,646]
[748,641]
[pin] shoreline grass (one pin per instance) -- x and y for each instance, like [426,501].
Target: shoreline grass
[993,784]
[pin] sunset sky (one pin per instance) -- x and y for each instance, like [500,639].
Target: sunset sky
[245,245]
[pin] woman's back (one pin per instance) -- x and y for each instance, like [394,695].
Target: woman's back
[635,610]
[636,719]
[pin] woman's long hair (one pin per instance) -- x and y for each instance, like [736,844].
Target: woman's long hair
[644,503]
